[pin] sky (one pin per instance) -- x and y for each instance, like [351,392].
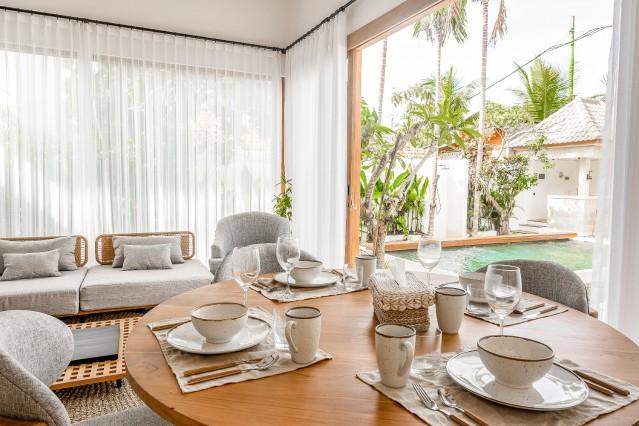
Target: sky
[533,26]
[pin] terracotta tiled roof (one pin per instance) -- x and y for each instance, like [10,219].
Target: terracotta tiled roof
[580,120]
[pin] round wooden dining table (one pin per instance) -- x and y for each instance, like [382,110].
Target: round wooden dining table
[328,392]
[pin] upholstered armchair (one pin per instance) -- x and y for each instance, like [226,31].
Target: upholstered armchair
[35,348]
[268,262]
[551,281]
[244,229]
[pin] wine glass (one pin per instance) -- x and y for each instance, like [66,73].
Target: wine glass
[287,253]
[503,290]
[429,252]
[246,268]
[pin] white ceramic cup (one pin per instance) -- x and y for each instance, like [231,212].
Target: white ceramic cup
[395,346]
[450,304]
[368,265]
[303,328]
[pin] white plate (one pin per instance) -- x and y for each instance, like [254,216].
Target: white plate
[185,338]
[322,280]
[558,390]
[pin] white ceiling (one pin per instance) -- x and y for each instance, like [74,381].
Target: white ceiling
[267,22]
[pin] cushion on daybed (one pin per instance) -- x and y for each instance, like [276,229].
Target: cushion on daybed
[105,287]
[53,295]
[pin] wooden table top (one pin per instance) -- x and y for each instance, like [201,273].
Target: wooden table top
[328,392]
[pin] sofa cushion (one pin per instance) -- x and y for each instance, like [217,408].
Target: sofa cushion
[106,288]
[53,295]
[20,266]
[65,244]
[120,241]
[147,257]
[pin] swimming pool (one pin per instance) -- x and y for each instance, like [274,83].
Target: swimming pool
[573,254]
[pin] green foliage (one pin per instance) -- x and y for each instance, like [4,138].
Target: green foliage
[545,90]
[374,135]
[283,202]
[440,25]
[506,118]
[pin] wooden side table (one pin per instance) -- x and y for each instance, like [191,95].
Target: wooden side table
[100,371]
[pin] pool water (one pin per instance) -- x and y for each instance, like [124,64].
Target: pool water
[573,254]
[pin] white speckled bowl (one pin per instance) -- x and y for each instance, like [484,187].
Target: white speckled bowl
[219,322]
[516,362]
[305,271]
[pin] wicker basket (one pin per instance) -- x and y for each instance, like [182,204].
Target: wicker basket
[401,305]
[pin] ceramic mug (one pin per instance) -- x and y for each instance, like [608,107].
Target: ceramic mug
[368,265]
[302,331]
[450,304]
[395,346]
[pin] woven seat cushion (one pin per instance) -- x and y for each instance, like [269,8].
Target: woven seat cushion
[52,295]
[105,287]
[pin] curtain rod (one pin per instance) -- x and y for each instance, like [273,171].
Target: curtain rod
[325,20]
[133,27]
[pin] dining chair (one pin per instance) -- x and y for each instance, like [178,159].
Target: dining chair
[551,281]
[35,348]
[244,229]
[268,261]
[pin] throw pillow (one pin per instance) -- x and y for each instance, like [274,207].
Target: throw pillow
[175,242]
[140,257]
[66,246]
[19,266]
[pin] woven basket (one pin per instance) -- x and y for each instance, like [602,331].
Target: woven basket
[401,305]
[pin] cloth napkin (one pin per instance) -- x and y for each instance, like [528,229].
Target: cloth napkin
[513,319]
[299,293]
[180,361]
[596,405]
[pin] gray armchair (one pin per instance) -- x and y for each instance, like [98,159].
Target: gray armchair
[244,229]
[34,350]
[268,262]
[551,281]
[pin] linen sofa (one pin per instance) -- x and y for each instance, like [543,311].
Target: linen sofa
[102,288]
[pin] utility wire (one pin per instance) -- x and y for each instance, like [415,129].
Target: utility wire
[585,34]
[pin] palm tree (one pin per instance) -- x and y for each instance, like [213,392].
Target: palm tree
[545,90]
[498,31]
[438,27]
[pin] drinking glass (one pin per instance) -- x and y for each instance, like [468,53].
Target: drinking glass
[503,290]
[428,349]
[352,276]
[288,254]
[429,252]
[246,268]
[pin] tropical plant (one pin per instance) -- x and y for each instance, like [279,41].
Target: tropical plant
[505,177]
[498,31]
[425,125]
[438,27]
[283,202]
[544,90]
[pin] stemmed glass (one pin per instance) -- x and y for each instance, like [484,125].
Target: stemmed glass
[246,268]
[429,252]
[503,290]
[288,254]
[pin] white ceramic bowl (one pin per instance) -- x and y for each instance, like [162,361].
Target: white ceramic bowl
[219,322]
[515,362]
[305,271]
[473,283]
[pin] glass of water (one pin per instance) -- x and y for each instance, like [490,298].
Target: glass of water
[503,290]
[428,350]
[429,252]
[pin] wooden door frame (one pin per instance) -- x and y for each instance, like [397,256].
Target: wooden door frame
[394,20]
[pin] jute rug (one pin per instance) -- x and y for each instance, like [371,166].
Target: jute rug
[98,399]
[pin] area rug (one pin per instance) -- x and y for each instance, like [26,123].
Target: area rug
[98,399]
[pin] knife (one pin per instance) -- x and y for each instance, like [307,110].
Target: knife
[522,311]
[540,312]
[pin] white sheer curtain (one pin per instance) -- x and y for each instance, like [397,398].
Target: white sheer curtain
[616,258]
[316,139]
[105,129]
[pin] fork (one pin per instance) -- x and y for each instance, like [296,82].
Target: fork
[264,364]
[432,405]
[449,401]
